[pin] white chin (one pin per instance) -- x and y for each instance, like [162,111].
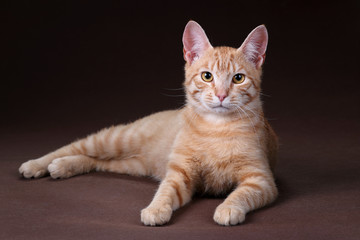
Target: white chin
[220,110]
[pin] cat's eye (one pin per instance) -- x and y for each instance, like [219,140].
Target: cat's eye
[207,76]
[238,78]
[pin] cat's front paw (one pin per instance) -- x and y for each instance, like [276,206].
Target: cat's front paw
[228,215]
[153,216]
[33,169]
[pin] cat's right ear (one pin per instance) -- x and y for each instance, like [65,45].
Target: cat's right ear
[195,42]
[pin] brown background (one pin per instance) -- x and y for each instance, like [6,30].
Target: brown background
[69,69]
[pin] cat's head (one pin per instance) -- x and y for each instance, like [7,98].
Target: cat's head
[223,80]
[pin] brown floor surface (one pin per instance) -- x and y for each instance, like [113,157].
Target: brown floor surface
[318,178]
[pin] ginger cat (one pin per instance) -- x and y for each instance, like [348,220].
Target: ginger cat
[219,142]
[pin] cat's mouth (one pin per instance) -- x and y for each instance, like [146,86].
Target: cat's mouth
[220,108]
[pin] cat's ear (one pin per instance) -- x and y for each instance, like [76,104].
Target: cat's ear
[254,46]
[195,42]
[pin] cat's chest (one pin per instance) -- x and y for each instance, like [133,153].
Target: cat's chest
[219,164]
[216,178]
[224,149]
[216,158]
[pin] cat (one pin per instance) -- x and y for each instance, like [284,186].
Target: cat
[219,142]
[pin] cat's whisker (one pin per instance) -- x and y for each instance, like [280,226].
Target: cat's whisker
[253,125]
[266,95]
[237,110]
[174,89]
[246,108]
[174,95]
[171,95]
[250,110]
[251,121]
[181,107]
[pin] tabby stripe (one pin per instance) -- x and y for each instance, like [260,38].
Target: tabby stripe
[96,145]
[195,92]
[268,191]
[75,150]
[256,85]
[100,146]
[228,66]
[117,142]
[82,146]
[180,170]
[249,202]
[251,185]
[253,199]
[89,146]
[252,175]
[107,135]
[129,137]
[218,65]
[199,85]
[176,186]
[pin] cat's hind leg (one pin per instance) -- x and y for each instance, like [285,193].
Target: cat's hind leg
[114,149]
[37,168]
[65,167]
[62,167]
[68,166]
[102,145]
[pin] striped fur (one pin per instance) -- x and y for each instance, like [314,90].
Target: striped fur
[209,146]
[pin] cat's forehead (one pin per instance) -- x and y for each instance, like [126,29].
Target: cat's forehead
[222,54]
[223,59]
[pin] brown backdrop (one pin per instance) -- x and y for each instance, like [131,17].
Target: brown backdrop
[71,68]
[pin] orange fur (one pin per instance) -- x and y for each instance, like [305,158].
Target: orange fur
[209,145]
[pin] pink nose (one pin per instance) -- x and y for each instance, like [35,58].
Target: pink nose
[221,97]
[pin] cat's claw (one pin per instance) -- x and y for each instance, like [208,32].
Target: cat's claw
[31,169]
[228,215]
[153,216]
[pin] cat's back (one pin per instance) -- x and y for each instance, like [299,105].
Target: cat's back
[167,121]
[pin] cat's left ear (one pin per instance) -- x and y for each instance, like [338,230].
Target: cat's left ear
[195,42]
[254,46]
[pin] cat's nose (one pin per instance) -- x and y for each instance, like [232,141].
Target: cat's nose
[221,96]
